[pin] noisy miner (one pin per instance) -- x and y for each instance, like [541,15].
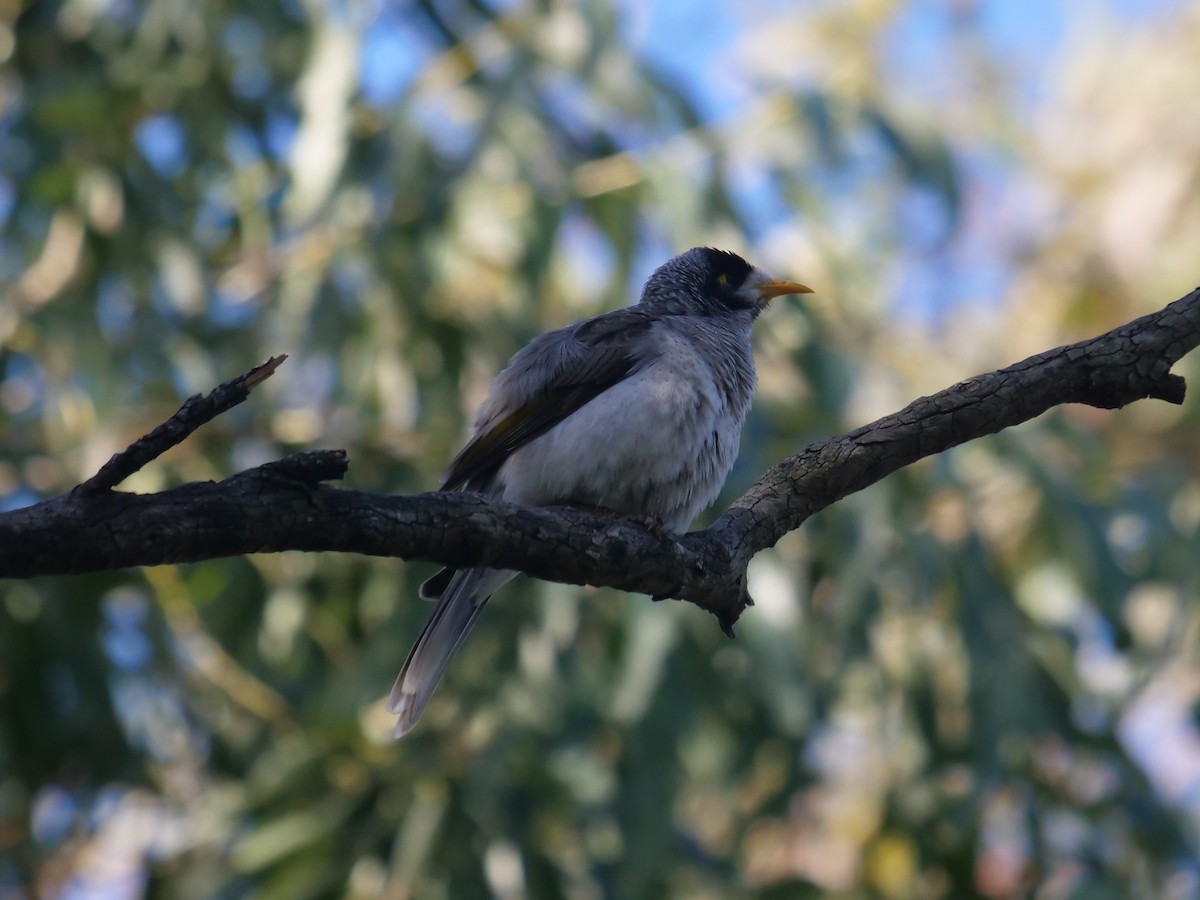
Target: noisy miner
[637,412]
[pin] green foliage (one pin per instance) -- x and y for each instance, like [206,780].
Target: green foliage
[975,678]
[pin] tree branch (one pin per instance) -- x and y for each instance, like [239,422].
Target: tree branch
[284,506]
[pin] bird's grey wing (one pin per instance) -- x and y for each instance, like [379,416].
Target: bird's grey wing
[556,374]
[551,378]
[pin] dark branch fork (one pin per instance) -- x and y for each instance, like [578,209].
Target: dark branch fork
[284,505]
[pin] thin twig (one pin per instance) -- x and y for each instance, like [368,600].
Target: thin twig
[196,411]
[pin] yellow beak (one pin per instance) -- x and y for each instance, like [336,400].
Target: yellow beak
[770,289]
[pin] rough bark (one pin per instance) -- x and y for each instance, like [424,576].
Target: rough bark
[285,505]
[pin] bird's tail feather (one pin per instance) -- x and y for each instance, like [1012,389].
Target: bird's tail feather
[433,587]
[457,609]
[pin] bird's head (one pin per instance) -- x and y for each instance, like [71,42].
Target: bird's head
[709,282]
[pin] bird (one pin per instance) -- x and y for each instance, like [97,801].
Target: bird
[636,412]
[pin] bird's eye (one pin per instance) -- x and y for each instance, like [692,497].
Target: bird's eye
[723,280]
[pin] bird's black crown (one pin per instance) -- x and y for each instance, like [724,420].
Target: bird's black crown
[726,269]
[703,281]
[726,274]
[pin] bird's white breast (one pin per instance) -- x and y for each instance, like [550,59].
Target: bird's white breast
[659,443]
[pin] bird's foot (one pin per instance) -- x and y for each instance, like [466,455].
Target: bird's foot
[592,509]
[652,524]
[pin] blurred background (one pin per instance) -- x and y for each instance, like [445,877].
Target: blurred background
[980,677]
